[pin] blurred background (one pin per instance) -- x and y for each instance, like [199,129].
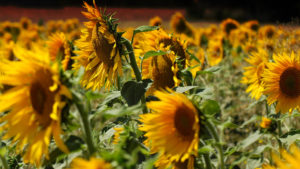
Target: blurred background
[194,10]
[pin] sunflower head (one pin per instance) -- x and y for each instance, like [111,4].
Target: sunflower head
[180,25]
[267,32]
[93,163]
[289,159]
[282,82]
[214,52]
[25,23]
[155,21]
[172,127]
[35,115]
[60,49]
[228,25]
[253,73]
[99,50]
[252,25]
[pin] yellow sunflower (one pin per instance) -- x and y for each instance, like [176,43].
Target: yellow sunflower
[282,82]
[162,69]
[155,21]
[34,103]
[180,25]
[228,25]
[267,32]
[214,52]
[118,131]
[171,128]
[98,54]
[290,160]
[265,122]
[253,73]
[93,163]
[252,25]
[60,49]
[163,163]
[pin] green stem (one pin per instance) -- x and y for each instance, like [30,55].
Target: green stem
[279,134]
[86,124]
[219,147]
[135,68]
[206,158]
[4,162]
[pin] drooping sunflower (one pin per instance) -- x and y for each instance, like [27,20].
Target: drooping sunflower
[215,52]
[228,25]
[290,160]
[34,103]
[282,82]
[171,128]
[99,53]
[60,49]
[180,25]
[93,163]
[162,69]
[155,21]
[252,25]
[258,61]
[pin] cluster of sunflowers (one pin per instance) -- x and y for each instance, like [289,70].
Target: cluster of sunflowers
[140,94]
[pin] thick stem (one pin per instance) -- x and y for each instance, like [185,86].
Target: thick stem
[135,68]
[86,125]
[219,147]
[4,162]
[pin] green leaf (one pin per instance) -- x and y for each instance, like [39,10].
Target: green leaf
[145,28]
[210,107]
[250,139]
[184,89]
[205,149]
[153,53]
[132,92]
[112,95]
[210,70]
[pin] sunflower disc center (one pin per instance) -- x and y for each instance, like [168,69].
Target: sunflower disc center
[184,121]
[38,97]
[290,82]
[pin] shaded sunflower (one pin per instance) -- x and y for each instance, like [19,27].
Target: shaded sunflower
[228,25]
[162,69]
[25,23]
[155,21]
[60,49]
[34,103]
[267,32]
[290,160]
[282,82]
[215,52]
[98,54]
[171,128]
[93,163]
[252,25]
[253,73]
[180,25]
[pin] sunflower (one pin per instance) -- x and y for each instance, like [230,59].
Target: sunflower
[155,21]
[265,122]
[118,131]
[60,49]
[93,163]
[282,82]
[25,23]
[163,163]
[34,103]
[180,25]
[171,128]
[228,25]
[252,25]
[214,52]
[98,54]
[267,32]
[162,69]
[253,73]
[290,160]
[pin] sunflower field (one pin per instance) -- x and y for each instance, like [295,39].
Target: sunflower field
[94,95]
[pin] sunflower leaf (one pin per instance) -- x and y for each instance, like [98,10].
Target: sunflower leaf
[153,53]
[210,107]
[143,28]
[132,92]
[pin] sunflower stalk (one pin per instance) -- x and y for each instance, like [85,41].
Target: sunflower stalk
[4,162]
[206,157]
[86,124]
[135,68]
[214,134]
